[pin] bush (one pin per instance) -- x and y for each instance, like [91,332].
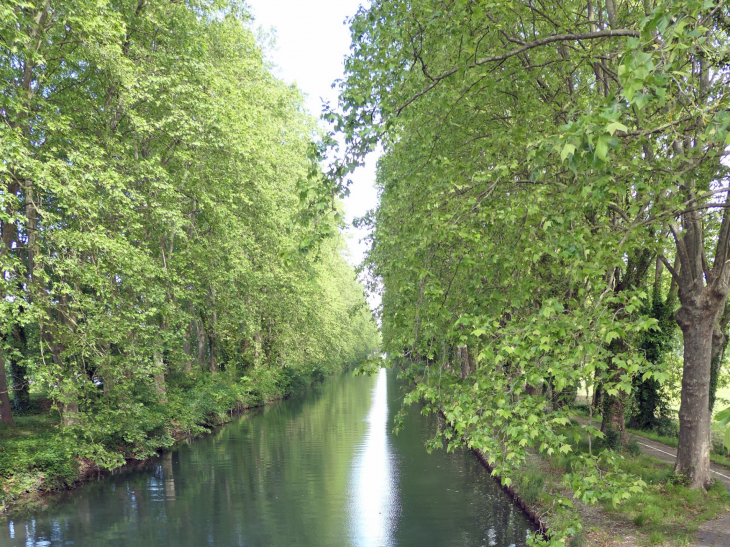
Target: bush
[530,485]
[43,461]
[667,427]
[633,448]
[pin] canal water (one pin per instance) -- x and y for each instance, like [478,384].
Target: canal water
[320,469]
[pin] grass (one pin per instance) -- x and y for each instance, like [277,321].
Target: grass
[673,442]
[715,457]
[30,425]
[667,509]
[666,512]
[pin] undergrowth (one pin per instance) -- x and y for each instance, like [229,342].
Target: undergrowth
[38,455]
[667,511]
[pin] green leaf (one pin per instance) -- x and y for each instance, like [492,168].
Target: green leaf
[568,150]
[602,147]
[723,416]
[616,126]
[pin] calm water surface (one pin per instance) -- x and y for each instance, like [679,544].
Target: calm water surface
[322,469]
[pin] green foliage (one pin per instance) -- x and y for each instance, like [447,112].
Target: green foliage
[39,455]
[530,483]
[724,418]
[156,270]
[544,177]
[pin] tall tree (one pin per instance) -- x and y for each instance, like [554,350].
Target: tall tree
[581,132]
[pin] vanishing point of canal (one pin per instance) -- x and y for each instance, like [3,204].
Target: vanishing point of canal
[321,469]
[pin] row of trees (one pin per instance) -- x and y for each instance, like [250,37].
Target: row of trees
[554,199]
[154,209]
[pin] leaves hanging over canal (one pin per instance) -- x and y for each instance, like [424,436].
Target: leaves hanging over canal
[554,218]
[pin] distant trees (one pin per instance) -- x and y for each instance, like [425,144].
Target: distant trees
[549,171]
[149,207]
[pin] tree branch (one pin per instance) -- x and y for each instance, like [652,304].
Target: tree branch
[528,46]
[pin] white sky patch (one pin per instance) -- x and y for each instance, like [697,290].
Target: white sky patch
[312,41]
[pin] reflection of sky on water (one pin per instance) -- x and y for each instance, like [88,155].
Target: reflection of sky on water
[374,496]
[319,470]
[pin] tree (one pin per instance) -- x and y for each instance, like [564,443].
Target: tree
[579,135]
[149,185]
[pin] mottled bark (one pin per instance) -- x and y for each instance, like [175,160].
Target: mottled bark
[159,374]
[69,413]
[693,452]
[703,294]
[472,360]
[719,345]
[462,357]
[257,348]
[200,336]
[6,414]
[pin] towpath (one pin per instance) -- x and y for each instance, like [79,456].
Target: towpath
[713,533]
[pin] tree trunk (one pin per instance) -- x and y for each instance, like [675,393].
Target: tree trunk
[462,356]
[70,413]
[693,452]
[6,414]
[159,375]
[614,418]
[200,335]
[613,408]
[21,389]
[9,233]
[257,345]
[188,365]
[212,363]
[597,400]
[719,345]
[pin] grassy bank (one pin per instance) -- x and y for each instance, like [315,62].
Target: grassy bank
[39,456]
[665,513]
[668,434]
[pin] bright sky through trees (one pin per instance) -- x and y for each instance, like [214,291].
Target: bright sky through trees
[311,41]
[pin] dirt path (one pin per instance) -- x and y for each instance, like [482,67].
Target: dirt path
[714,533]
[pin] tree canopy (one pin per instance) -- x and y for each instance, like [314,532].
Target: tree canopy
[553,189]
[152,223]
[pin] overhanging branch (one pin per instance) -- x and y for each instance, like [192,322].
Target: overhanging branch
[526,47]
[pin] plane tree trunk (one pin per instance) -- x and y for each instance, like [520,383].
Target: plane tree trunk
[6,414]
[703,292]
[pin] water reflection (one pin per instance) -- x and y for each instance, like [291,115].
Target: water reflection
[374,492]
[322,469]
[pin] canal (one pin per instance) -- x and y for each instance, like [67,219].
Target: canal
[320,469]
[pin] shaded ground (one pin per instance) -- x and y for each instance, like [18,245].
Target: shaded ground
[714,533]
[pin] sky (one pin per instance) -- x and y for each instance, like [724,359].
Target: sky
[311,42]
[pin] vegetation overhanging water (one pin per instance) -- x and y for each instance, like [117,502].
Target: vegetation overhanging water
[322,468]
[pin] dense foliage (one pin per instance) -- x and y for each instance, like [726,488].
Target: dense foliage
[152,216]
[553,203]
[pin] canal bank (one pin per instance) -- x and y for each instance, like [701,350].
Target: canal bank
[39,459]
[321,468]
